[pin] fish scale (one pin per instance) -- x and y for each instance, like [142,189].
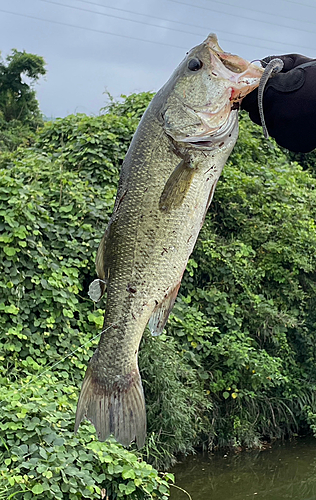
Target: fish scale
[167,182]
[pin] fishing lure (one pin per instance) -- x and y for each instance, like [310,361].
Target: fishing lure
[273,66]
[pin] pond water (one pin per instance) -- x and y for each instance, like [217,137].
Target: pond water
[282,471]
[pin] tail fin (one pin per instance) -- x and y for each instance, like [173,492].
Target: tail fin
[117,408]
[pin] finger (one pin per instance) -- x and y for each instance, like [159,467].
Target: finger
[290,61]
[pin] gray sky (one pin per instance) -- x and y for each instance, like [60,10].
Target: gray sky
[84,60]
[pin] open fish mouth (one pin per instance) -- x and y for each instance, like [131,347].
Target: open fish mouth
[244,76]
[217,117]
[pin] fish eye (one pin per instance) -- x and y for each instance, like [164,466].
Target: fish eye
[195,64]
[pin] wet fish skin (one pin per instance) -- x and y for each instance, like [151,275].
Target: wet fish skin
[167,182]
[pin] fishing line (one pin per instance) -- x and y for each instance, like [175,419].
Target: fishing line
[181,489]
[256,60]
[50,368]
[56,364]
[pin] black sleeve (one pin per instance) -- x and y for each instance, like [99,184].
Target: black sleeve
[289,105]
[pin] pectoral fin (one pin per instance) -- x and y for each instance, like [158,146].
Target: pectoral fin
[96,290]
[161,313]
[177,186]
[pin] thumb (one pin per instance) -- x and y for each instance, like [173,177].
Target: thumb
[250,101]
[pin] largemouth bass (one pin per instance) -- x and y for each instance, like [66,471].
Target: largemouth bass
[166,185]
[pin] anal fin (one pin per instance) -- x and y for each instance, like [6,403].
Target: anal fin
[210,198]
[97,287]
[161,312]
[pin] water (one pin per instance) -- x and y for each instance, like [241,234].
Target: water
[282,471]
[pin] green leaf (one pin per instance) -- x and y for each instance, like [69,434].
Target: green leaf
[66,208]
[37,489]
[43,453]
[10,251]
[130,487]
[128,473]
[11,309]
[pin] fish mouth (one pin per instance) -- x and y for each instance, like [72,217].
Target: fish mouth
[241,78]
[244,76]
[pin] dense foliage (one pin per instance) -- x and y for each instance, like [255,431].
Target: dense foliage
[252,279]
[55,199]
[237,361]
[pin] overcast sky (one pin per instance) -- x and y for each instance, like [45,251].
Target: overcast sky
[90,47]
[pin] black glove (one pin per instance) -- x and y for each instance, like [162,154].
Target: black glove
[289,104]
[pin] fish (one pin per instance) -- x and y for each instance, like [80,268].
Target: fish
[166,185]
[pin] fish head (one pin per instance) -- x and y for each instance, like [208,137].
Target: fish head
[203,92]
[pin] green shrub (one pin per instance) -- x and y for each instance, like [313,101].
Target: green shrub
[43,459]
[252,281]
[178,407]
[238,360]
